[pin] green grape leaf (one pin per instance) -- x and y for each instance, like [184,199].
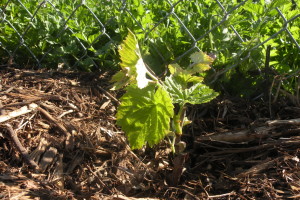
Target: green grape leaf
[196,94]
[144,115]
[175,89]
[175,69]
[182,76]
[200,62]
[120,79]
[200,93]
[133,69]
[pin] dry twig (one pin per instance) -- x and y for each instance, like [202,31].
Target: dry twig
[54,121]
[21,111]
[14,138]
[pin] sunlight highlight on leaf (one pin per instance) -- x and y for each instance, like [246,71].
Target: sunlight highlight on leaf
[183,76]
[201,62]
[133,67]
[141,71]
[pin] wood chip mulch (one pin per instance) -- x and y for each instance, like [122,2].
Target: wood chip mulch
[58,140]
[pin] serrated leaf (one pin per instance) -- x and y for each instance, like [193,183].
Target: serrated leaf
[201,58]
[199,68]
[200,93]
[196,94]
[144,115]
[182,76]
[175,89]
[129,51]
[133,67]
[120,79]
[195,79]
[175,68]
[200,62]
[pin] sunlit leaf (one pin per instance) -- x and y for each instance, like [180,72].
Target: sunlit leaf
[175,68]
[201,58]
[199,68]
[120,79]
[278,3]
[196,94]
[144,115]
[183,76]
[200,62]
[133,67]
[200,93]
[141,71]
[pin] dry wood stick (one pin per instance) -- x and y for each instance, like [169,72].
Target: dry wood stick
[109,95]
[20,148]
[284,122]
[53,120]
[259,167]
[221,195]
[291,141]
[246,135]
[185,191]
[99,179]
[69,137]
[34,99]
[21,111]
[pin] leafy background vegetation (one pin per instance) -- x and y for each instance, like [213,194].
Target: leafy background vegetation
[83,35]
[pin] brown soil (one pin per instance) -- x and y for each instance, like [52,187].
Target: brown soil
[62,143]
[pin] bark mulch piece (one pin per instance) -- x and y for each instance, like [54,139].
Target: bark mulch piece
[58,140]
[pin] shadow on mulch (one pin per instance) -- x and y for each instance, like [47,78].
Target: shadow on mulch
[62,125]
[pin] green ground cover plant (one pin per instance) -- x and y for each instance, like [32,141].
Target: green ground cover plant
[65,32]
[146,113]
[83,35]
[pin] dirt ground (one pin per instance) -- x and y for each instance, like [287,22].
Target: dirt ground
[58,140]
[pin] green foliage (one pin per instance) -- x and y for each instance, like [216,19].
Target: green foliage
[256,22]
[144,115]
[133,67]
[60,29]
[186,87]
[56,34]
[147,107]
[196,94]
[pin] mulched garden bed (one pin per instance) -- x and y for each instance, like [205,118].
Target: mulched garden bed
[58,140]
